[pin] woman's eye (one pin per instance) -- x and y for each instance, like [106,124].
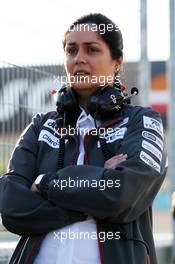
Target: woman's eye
[71,51]
[91,50]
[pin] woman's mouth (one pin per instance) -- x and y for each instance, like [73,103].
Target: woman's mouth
[81,73]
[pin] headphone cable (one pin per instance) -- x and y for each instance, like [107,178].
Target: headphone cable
[106,152]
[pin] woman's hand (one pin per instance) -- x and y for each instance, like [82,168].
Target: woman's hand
[113,162]
[33,188]
[41,183]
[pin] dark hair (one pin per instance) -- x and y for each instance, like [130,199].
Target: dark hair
[113,37]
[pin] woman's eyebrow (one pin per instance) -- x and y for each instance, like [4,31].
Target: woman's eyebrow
[91,42]
[84,43]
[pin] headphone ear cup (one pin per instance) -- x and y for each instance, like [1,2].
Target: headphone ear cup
[105,101]
[93,104]
[67,102]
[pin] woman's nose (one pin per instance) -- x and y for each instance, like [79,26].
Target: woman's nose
[80,56]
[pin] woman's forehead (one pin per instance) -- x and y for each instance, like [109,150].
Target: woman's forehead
[85,36]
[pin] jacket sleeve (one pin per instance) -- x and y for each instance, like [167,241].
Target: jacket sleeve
[24,212]
[140,176]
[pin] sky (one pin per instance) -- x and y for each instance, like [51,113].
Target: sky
[31,31]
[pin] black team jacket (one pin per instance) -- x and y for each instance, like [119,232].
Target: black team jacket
[122,209]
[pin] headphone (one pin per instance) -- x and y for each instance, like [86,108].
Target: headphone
[102,104]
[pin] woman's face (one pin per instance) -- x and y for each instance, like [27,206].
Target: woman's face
[88,61]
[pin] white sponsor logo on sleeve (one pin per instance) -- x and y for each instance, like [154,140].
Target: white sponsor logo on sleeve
[149,161]
[152,149]
[153,124]
[50,139]
[153,138]
[118,134]
[50,123]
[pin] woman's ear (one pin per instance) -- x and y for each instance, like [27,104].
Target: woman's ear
[119,61]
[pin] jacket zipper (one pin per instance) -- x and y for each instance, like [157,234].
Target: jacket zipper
[99,244]
[22,251]
[33,249]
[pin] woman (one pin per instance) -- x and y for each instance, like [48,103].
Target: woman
[93,183]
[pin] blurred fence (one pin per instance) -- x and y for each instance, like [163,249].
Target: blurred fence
[24,91]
